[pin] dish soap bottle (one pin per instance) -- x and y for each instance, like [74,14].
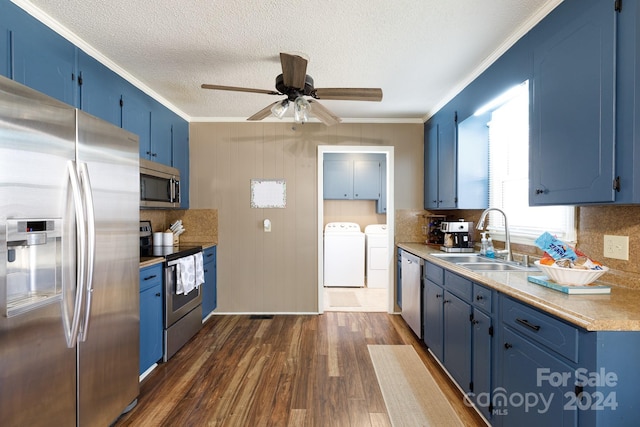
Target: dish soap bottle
[483,244]
[491,253]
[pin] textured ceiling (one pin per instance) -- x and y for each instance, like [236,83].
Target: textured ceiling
[420,52]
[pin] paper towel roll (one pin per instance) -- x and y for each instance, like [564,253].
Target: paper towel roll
[157,239]
[167,239]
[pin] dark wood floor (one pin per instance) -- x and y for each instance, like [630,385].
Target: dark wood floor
[285,371]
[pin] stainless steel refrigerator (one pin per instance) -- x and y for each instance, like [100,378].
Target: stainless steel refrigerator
[69,293]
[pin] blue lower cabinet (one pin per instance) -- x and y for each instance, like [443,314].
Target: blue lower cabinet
[457,339]
[534,390]
[481,368]
[433,318]
[209,288]
[150,316]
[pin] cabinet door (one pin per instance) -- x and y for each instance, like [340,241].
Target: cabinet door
[431,167]
[42,59]
[457,339]
[180,144]
[447,171]
[10,14]
[209,289]
[381,204]
[338,179]
[366,179]
[481,368]
[525,371]
[572,123]
[100,89]
[136,118]
[433,318]
[161,139]
[150,327]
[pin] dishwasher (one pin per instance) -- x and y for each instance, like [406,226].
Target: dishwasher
[411,285]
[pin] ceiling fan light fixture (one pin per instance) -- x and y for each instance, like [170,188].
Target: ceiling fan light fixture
[280,108]
[301,108]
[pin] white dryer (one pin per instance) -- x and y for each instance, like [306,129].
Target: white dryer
[377,244]
[343,255]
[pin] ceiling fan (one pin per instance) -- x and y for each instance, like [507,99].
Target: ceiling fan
[295,84]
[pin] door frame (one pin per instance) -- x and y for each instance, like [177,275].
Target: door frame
[389,152]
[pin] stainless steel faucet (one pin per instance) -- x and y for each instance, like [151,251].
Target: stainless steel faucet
[507,243]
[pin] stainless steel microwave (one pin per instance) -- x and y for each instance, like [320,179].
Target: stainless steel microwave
[159,185]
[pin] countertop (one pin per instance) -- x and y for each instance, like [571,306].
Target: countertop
[618,311]
[159,260]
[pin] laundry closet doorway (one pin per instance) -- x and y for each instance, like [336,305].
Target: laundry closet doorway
[388,152]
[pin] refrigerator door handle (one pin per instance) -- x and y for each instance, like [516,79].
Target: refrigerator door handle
[72,327]
[91,246]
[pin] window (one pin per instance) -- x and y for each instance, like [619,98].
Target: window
[508,128]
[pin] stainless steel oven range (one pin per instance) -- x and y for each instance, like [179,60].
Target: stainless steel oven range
[182,313]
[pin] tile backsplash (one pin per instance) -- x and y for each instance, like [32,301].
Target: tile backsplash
[201,225]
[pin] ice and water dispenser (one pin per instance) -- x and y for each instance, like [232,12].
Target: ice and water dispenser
[33,264]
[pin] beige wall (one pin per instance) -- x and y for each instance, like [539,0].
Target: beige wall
[277,271]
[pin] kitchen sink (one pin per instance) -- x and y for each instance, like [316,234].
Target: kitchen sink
[466,258]
[475,262]
[493,266]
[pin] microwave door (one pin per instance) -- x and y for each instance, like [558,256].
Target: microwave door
[155,189]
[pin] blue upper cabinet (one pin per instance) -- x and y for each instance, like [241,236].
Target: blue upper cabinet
[161,123]
[447,165]
[351,176]
[136,118]
[8,13]
[366,179]
[36,56]
[180,146]
[573,106]
[440,166]
[381,203]
[431,166]
[338,179]
[628,104]
[100,89]
[456,170]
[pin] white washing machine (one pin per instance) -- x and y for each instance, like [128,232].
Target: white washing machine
[377,244]
[343,255]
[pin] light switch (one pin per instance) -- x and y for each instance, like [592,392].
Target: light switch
[267,226]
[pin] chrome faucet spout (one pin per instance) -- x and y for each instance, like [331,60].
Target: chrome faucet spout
[507,243]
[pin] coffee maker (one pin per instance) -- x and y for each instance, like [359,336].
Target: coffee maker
[458,236]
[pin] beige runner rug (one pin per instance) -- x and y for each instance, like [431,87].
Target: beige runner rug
[411,394]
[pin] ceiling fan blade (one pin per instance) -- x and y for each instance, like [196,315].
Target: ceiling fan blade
[294,70]
[240,89]
[349,94]
[323,114]
[265,112]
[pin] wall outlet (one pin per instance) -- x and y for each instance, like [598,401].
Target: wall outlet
[616,247]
